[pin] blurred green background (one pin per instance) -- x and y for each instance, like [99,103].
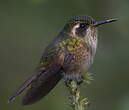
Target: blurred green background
[26,27]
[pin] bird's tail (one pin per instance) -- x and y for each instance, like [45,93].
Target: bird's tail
[22,88]
[38,89]
[40,84]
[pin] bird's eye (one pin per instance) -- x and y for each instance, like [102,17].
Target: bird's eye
[82,26]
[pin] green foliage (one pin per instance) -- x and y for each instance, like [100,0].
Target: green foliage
[76,100]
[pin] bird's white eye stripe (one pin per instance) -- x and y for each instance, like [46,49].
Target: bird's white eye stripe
[74,28]
[77,26]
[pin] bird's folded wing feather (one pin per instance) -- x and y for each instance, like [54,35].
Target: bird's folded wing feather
[54,59]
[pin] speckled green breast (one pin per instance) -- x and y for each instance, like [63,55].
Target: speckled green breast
[80,53]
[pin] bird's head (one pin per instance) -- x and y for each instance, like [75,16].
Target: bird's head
[83,26]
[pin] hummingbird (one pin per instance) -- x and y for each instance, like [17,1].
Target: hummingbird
[67,56]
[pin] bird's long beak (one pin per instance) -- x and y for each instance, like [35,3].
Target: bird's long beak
[97,23]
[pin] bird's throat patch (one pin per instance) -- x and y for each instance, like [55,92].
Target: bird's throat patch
[70,43]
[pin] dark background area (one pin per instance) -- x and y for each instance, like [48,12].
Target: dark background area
[26,27]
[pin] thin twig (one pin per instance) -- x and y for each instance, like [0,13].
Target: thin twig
[76,101]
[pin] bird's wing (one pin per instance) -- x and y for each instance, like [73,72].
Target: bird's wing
[43,84]
[47,71]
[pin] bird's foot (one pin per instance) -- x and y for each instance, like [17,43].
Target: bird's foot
[76,77]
